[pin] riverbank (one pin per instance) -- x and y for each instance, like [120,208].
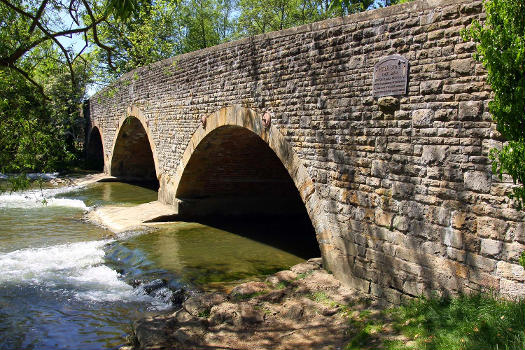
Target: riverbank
[304,307]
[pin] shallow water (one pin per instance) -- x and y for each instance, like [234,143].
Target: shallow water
[68,284]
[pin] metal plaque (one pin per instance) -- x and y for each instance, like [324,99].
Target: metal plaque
[390,76]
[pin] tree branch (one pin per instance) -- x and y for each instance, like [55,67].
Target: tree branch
[37,16]
[21,50]
[108,49]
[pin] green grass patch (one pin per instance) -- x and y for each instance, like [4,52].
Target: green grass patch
[322,297]
[465,322]
[368,335]
[282,285]
[302,275]
[474,322]
[204,313]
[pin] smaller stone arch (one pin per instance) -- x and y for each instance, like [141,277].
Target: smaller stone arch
[134,155]
[95,150]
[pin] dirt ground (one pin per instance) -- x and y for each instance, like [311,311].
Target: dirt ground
[301,308]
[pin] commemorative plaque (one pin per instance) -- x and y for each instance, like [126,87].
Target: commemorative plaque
[390,76]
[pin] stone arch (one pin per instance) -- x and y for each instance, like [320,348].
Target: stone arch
[134,156]
[95,150]
[247,123]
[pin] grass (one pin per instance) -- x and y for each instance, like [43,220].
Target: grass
[302,275]
[474,322]
[204,313]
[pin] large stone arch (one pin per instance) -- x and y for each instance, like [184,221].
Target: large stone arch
[95,159]
[134,155]
[240,118]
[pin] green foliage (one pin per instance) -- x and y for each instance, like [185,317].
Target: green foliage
[351,6]
[345,7]
[165,28]
[204,313]
[35,134]
[501,49]
[151,33]
[17,183]
[464,322]
[122,9]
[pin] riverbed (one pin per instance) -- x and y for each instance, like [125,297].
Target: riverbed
[68,284]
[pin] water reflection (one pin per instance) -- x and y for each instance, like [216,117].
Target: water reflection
[209,257]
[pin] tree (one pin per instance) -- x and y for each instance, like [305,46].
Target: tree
[151,33]
[35,134]
[42,83]
[28,26]
[501,48]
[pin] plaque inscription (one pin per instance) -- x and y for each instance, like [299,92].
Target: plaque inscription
[390,76]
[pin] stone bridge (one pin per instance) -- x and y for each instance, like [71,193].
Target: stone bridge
[398,189]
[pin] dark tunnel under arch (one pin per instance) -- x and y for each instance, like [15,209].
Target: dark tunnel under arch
[233,177]
[133,159]
[95,151]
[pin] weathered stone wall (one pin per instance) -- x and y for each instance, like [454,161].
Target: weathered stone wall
[404,199]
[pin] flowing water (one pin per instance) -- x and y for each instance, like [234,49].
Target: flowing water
[68,284]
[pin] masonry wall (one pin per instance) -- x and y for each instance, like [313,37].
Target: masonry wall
[410,201]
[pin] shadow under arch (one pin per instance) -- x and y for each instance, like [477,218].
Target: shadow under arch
[95,150]
[234,165]
[134,158]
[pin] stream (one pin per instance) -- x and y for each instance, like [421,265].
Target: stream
[69,284]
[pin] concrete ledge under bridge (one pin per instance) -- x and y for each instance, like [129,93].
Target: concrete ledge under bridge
[399,190]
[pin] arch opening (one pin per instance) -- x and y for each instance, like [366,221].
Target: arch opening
[235,181]
[95,151]
[132,159]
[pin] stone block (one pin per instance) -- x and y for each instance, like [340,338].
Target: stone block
[485,280]
[433,154]
[511,289]
[462,67]
[488,227]
[379,168]
[456,254]
[402,189]
[458,219]
[512,251]
[453,238]
[480,262]
[477,181]
[422,118]
[400,223]
[491,247]
[510,271]
[471,8]
[469,109]
[431,87]
[516,232]
[383,218]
